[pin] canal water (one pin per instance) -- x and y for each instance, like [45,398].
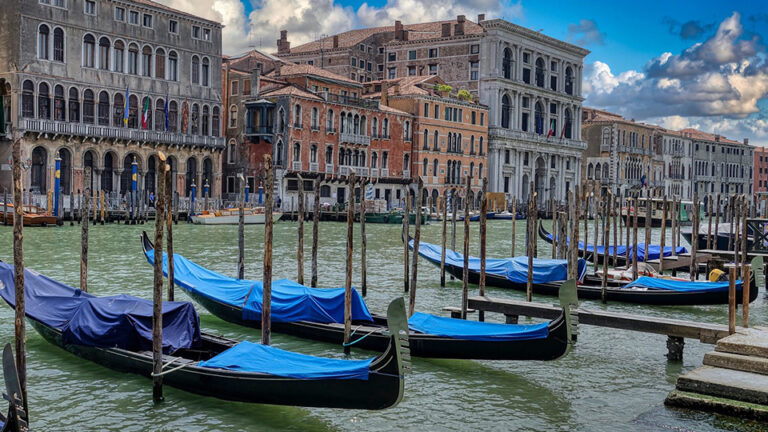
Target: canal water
[613,380]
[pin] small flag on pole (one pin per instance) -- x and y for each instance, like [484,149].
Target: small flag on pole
[126,106]
[145,114]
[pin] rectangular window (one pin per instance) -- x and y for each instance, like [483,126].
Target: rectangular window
[474,49]
[90,7]
[482,119]
[380,67]
[526,75]
[195,32]
[233,88]
[310,62]
[173,26]
[433,69]
[437,111]
[119,14]
[553,65]
[362,47]
[147,20]
[506,184]
[391,73]
[553,83]
[353,61]
[473,75]
[506,156]
[133,18]
[432,52]
[526,57]
[474,117]
[362,64]
[247,87]
[524,125]
[411,70]
[391,56]
[207,35]
[426,109]
[381,50]
[369,66]
[553,110]
[412,55]
[231,185]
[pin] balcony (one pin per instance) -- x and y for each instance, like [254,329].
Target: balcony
[406,174]
[315,128]
[530,136]
[313,167]
[344,170]
[351,138]
[330,129]
[374,172]
[259,130]
[329,168]
[85,130]
[385,172]
[297,126]
[296,165]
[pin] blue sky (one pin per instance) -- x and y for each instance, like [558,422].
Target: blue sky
[679,64]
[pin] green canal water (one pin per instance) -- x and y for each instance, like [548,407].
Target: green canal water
[613,380]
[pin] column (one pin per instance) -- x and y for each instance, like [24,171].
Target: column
[493,66]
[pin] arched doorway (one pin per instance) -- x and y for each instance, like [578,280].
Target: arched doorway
[207,174]
[88,159]
[149,178]
[66,171]
[39,163]
[108,172]
[125,177]
[191,175]
[540,180]
[525,187]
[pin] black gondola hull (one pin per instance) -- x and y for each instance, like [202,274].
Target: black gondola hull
[382,389]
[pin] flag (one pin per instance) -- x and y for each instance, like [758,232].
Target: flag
[126,106]
[145,114]
[551,128]
[643,181]
[562,133]
[184,117]
[165,110]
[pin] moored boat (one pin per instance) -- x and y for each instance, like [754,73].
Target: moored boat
[721,236]
[231,216]
[115,332]
[316,313]
[32,216]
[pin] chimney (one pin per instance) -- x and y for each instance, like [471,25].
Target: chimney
[283,46]
[256,81]
[480,18]
[397,88]
[384,93]
[405,35]
[717,138]
[746,141]
[460,25]
[446,30]
[335,41]
[398,30]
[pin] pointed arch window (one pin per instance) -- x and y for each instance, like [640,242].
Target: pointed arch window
[74,105]
[58,45]
[506,107]
[146,61]
[206,118]
[206,72]
[216,122]
[103,109]
[59,106]
[133,59]
[28,99]
[195,70]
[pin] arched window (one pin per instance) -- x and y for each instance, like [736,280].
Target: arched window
[195,70]
[216,122]
[207,173]
[375,127]
[540,72]
[425,144]
[233,116]
[296,152]
[435,143]
[160,63]
[232,152]
[406,162]
[356,129]
[460,143]
[118,110]
[539,118]
[38,172]
[43,42]
[569,80]
[66,171]
[28,99]
[434,167]
[159,115]
[133,59]
[206,118]
[407,131]
[374,160]
[329,121]
[88,107]
[104,46]
[59,106]
[119,56]
[505,111]
[480,152]
[480,171]
[133,112]
[568,123]
[363,126]
[385,128]
[206,72]
[146,61]
[506,65]
[471,169]
[173,66]
[472,144]
[173,117]
[329,155]
[313,153]
[74,105]
[195,117]
[424,167]
[103,109]
[192,175]
[315,118]
[58,45]
[89,49]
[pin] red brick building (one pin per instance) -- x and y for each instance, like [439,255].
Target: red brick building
[761,170]
[450,134]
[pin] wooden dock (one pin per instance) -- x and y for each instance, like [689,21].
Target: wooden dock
[681,261]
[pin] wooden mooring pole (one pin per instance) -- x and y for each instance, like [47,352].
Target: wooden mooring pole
[562,234]
[363,240]
[607,208]
[465,274]
[554,232]
[745,295]
[455,207]
[348,280]
[709,225]
[634,238]
[300,231]
[241,230]
[84,235]
[648,223]
[416,241]
[20,334]
[167,217]
[616,233]
[406,234]
[445,238]
[531,238]
[596,214]
[662,240]
[744,238]
[732,298]
[694,267]
[316,235]
[483,234]
[266,301]
[514,222]
[157,292]
[718,209]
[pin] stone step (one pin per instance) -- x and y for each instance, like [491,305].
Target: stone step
[737,362]
[748,342]
[726,383]
[716,404]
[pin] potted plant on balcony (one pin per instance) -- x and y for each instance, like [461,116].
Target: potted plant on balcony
[443,89]
[464,95]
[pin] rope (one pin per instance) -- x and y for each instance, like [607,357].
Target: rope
[171,370]
[358,340]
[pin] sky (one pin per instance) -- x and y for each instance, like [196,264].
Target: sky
[678,63]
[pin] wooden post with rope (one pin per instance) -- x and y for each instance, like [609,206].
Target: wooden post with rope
[266,301]
[416,241]
[348,279]
[157,293]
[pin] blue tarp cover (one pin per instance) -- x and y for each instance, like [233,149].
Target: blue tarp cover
[251,357]
[654,251]
[514,269]
[474,330]
[677,285]
[118,321]
[291,301]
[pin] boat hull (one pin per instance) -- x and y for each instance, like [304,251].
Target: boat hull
[248,219]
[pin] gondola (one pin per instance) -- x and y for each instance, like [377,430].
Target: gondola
[115,332]
[16,420]
[431,336]
[721,237]
[621,250]
[512,273]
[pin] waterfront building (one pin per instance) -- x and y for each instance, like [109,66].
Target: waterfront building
[317,125]
[721,165]
[102,83]
[677,155]
[622,155]
[760,171]
[449,136]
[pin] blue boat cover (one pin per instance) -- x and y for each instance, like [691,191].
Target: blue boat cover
[514,269]
[474,330]
[291,301]
[654,251]
[678,285]
[110,322]
[251,357]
